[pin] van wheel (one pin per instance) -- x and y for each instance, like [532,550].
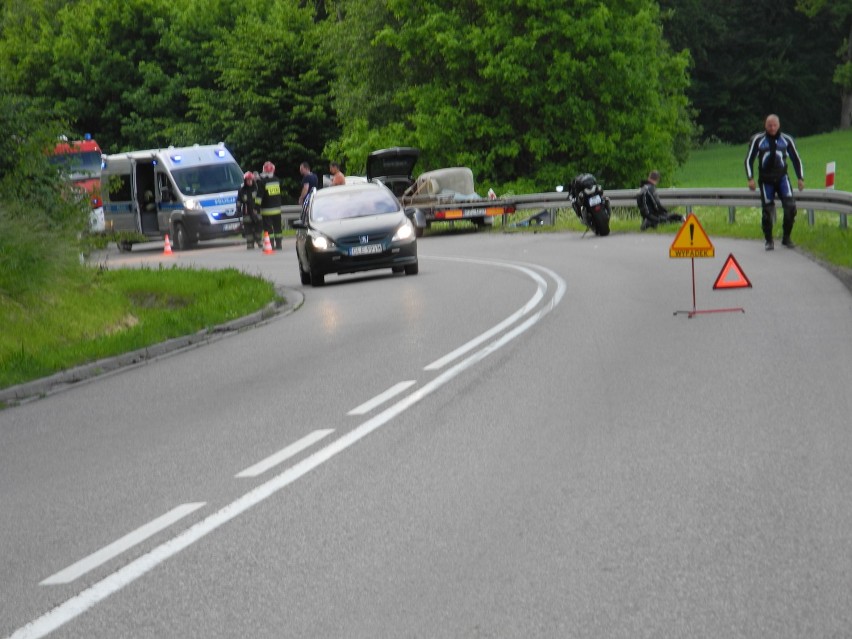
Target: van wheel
[181,242]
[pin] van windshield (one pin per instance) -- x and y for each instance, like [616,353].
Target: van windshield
[203,180]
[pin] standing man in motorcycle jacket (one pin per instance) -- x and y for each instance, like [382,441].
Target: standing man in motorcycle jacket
[652,210]
[269,202]
[247,209]
[771,149]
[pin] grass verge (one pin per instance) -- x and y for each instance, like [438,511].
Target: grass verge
[95,313]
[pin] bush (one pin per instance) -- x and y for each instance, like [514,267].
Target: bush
[29,259]
[41,218]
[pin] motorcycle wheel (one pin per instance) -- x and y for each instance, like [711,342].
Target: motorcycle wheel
[600,222]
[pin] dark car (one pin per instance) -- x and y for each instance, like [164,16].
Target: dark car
[352,228]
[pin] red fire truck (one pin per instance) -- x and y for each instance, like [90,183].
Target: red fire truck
[80,161]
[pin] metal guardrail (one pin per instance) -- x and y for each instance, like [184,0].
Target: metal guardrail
[809,200]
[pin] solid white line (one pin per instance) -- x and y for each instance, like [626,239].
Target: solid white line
[117,547]
[80,603]
[469,346]
[390,393]
[282,455]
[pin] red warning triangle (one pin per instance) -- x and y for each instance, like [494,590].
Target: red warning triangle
[731,275]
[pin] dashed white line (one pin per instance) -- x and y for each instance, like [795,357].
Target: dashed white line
[381,398]
[103,555]
[282,455]
[111,584]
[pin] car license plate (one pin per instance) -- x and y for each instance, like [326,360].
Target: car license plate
[230,226]
[366,249]
[594,200]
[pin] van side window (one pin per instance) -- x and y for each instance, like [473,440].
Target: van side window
[121,192]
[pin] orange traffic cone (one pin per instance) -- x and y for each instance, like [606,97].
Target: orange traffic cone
[167,248]
[267,245]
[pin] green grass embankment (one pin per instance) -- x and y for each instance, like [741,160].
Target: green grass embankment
[89,314]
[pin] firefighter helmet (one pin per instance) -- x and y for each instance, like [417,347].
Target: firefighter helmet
[268,167]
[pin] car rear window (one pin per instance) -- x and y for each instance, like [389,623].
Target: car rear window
[341,204]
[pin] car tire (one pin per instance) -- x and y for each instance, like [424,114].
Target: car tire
[317,278]
[124,246]
[398,269]
[412,269]
[304,277]
[181,241]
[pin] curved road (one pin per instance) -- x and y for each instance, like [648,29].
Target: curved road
[522,441]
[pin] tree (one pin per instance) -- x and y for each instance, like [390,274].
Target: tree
[40,215]
[536,89]
[270,97]
[752,58]
[841,12]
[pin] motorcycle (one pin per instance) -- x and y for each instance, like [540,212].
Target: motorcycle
[590,204]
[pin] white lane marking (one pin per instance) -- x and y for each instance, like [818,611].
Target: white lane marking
[106,553]
[96,593]
[282,455]
[381,398]
[533,301]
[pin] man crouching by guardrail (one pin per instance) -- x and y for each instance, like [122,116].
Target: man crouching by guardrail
[652,210]
[771,148]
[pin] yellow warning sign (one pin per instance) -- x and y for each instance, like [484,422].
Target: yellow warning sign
[691,240]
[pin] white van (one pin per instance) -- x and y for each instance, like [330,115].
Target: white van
[189,193]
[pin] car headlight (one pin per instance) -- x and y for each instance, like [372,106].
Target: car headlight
[192,205]
[321,243]
[404,232]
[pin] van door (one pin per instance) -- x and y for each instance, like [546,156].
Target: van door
[146,202]
[166,204]
[119,203]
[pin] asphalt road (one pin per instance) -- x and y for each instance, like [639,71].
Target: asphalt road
[524,440]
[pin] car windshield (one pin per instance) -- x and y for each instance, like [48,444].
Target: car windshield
[341,205]
[78,165]
[203,180]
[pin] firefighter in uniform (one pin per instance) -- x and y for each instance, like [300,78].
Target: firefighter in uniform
[247,209]
[269,202]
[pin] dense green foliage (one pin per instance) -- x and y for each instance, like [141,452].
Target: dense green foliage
[755,58]
[523,91]
[40,216]
[533,89]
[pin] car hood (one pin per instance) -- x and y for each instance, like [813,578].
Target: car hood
[398,161]
[369,225]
